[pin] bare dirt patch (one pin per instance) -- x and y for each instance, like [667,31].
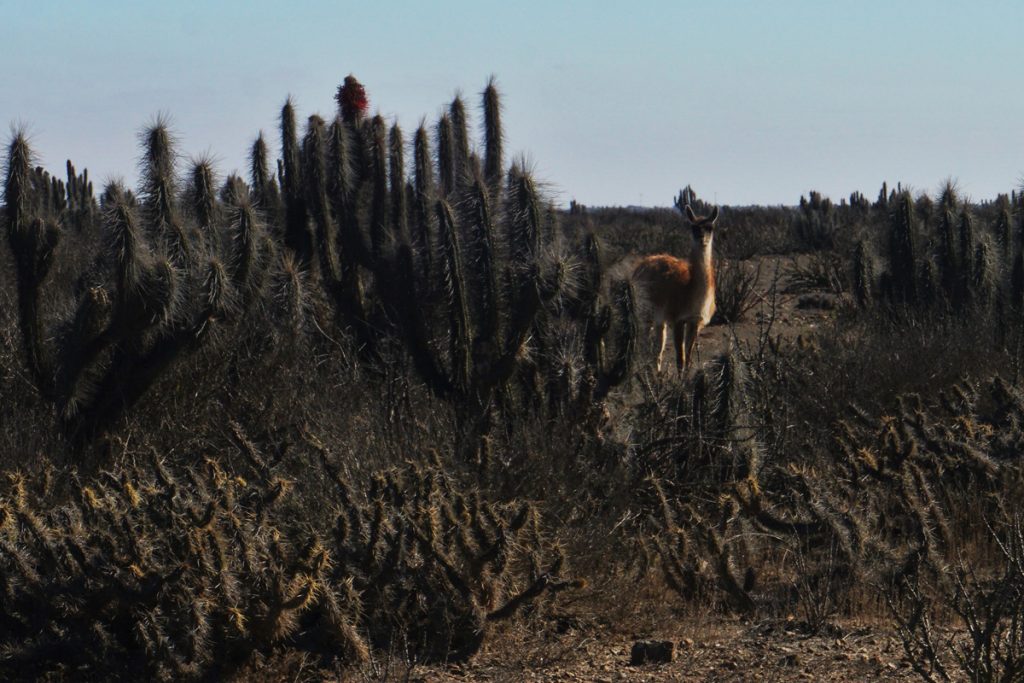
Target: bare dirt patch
[728,650]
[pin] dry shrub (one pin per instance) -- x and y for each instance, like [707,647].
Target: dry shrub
[736,292]
[169,573]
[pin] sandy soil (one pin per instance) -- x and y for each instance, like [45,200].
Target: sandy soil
[777,650]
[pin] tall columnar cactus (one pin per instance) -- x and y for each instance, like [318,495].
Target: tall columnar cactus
[882,202]
[396,179]
[460,140]
[485,335]
[968,267]
[863,275]
[203,195]
[1017,280]
[314,172]
[610,328]
[245,235]
[476,213]
[330,200]
[949,261]
[80,200]
[494,163]
[380,209]
[297,233]
[949,199]
[159,194]
[902,250]
[342,187]
[1003,229]
[33,242]
[623,333]
[265,193]
[983,282]
[203,205]
[424,196]
[446,164]
[346,165]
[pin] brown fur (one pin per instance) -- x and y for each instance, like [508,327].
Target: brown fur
[667,282]
[681,292]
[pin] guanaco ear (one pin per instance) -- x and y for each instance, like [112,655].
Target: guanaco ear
[690,215]
[713,217]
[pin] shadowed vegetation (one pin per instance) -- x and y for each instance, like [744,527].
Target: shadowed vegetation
[383,396]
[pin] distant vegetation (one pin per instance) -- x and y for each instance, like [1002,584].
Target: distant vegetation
[380,396]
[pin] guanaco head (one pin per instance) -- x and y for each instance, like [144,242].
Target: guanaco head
[703,226]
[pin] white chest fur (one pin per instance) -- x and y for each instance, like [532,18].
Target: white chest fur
[708,309]
[706,285]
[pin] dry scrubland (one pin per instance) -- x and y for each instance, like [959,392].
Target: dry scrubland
[365,417]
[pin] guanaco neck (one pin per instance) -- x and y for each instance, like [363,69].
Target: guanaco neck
[703,265]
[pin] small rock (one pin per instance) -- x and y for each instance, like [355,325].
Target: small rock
[652,652]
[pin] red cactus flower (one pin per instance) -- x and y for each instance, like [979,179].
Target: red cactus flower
[352,99]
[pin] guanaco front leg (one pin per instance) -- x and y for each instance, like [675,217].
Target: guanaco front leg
[661,348]
[679,338]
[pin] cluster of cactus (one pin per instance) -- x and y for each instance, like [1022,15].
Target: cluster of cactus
[159,572]
[688,197]
[859,203]
[461,263]
[707,449]
[606,369]
[171,268]
[863,275]
[696,552]
[887,197]
[985,601]
[587,346]
[437,564]
[160,576]
[886,502]
[816,224]
[937,257]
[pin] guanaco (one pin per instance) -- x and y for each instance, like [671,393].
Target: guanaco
[681,291]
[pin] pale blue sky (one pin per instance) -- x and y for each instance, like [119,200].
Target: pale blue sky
[614,102]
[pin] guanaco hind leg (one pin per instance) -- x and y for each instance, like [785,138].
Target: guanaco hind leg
[692,330]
